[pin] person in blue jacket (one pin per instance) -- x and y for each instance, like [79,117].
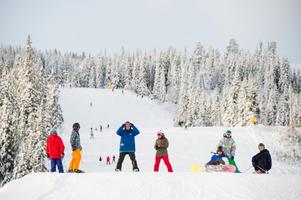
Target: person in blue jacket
[217,158]
[127,132]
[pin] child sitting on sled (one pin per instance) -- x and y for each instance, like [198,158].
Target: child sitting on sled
[217,158]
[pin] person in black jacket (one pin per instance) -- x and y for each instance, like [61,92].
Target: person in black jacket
[262,162]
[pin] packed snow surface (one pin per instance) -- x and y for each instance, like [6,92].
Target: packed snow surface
[95,107]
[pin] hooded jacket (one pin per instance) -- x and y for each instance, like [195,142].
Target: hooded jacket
[55,146]
[228,145]
[161,146]
[127,140]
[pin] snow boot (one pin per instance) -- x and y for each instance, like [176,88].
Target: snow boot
[136,170]
[78,171]
[117,170]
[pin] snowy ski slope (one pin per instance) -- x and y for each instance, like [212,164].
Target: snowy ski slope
[186,147]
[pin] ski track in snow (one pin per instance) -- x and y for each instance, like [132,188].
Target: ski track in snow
[192,146]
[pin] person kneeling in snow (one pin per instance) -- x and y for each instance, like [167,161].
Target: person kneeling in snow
[55,150]
[262,162]
[161,146]
[217,158]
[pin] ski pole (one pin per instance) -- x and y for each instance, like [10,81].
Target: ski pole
[262,169]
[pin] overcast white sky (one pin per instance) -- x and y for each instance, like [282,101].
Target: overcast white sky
[93,25]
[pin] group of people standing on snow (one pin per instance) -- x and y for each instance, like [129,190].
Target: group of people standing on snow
[261,162]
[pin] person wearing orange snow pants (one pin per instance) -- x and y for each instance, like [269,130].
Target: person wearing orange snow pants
[75,161]
[76,149]
[161,146]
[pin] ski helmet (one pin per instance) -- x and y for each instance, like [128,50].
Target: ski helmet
[228,132]
[76,126]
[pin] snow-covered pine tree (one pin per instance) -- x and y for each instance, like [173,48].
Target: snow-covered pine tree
[8,128]
[175,79]
[38,143]
[283,114]
[160,87]
[135,73]
[216,107]
[100,71]
[242,103]
[182,114]
[92,78]
[296,118]
[197,104]
[271,106]
[30,100]
[54,115]
[231,106]
[142,88]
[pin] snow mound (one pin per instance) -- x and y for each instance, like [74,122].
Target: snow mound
[153,186]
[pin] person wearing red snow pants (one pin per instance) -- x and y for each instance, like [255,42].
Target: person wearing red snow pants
[161,146]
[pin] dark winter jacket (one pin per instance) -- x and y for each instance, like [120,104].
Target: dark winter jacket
[217,159]
[75,141]
[55,146]
[161,146]
[262,161]
[127,141]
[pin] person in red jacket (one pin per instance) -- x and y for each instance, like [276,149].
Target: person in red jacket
[55,150]
[108,160]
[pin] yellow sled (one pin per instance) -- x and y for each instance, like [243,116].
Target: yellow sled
[197,168]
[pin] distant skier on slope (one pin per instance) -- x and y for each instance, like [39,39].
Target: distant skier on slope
[55,150]
[91,134]
[127,132]
[76,149]
[161,146]
[108,160]
[262,162]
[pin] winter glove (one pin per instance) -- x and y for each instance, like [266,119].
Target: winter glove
[63,155]
[48,156]
[232,157]
[73,148]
